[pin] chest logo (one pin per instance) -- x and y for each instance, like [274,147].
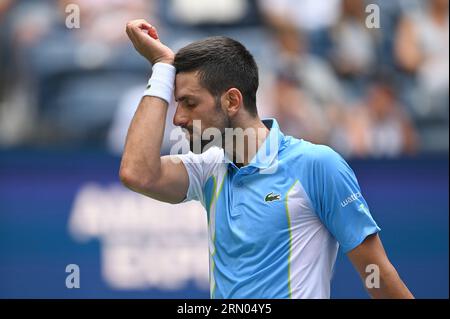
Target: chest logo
[271,197]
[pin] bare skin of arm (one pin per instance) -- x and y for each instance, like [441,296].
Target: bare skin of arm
[371,252]
[142,168]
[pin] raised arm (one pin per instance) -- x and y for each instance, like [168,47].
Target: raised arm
[379,276]
[142,168]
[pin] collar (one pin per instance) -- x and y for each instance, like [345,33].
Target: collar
[268,152]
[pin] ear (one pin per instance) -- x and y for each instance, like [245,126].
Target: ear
[232,100]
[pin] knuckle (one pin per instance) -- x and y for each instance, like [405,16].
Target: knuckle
[131,23]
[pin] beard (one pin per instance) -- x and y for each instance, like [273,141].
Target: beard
[205,144]
[221,121]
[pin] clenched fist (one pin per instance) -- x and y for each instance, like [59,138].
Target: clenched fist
[146,41]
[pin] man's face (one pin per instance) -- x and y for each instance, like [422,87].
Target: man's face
[195,102]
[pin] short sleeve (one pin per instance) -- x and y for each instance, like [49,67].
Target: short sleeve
[338,200]
[200,167]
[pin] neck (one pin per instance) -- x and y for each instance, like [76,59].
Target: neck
[249,135]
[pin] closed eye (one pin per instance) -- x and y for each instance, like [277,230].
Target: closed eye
[187,101]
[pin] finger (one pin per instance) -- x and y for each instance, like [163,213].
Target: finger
[134,40]
[129,28]
[130,33]
[153,33]
[149,30]
[145,26]
[139,24]
[142,24]
[141,35]
[137,32]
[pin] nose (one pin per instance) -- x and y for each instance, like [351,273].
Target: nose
[180,117]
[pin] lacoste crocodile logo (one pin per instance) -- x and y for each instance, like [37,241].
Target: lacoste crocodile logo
[271,197]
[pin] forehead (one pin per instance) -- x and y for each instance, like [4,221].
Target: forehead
[187,83]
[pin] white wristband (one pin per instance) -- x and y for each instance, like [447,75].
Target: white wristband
[161,83]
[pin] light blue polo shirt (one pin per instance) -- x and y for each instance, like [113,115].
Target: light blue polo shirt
[275,225]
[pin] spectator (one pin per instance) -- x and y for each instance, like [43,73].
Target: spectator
[78,74]
[297,113]
[354,47]
[380,127]
[306,15]
[306,90]
[311,17]
[422,49]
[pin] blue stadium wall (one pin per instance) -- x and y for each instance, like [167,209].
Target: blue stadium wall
[408,197]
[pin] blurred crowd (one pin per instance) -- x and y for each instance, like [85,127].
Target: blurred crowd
[333,72]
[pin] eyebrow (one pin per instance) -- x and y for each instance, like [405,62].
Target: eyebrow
[183,97]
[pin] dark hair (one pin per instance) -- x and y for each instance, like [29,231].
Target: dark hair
[222,63]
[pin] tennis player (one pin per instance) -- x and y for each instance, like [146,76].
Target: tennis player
[278,211]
